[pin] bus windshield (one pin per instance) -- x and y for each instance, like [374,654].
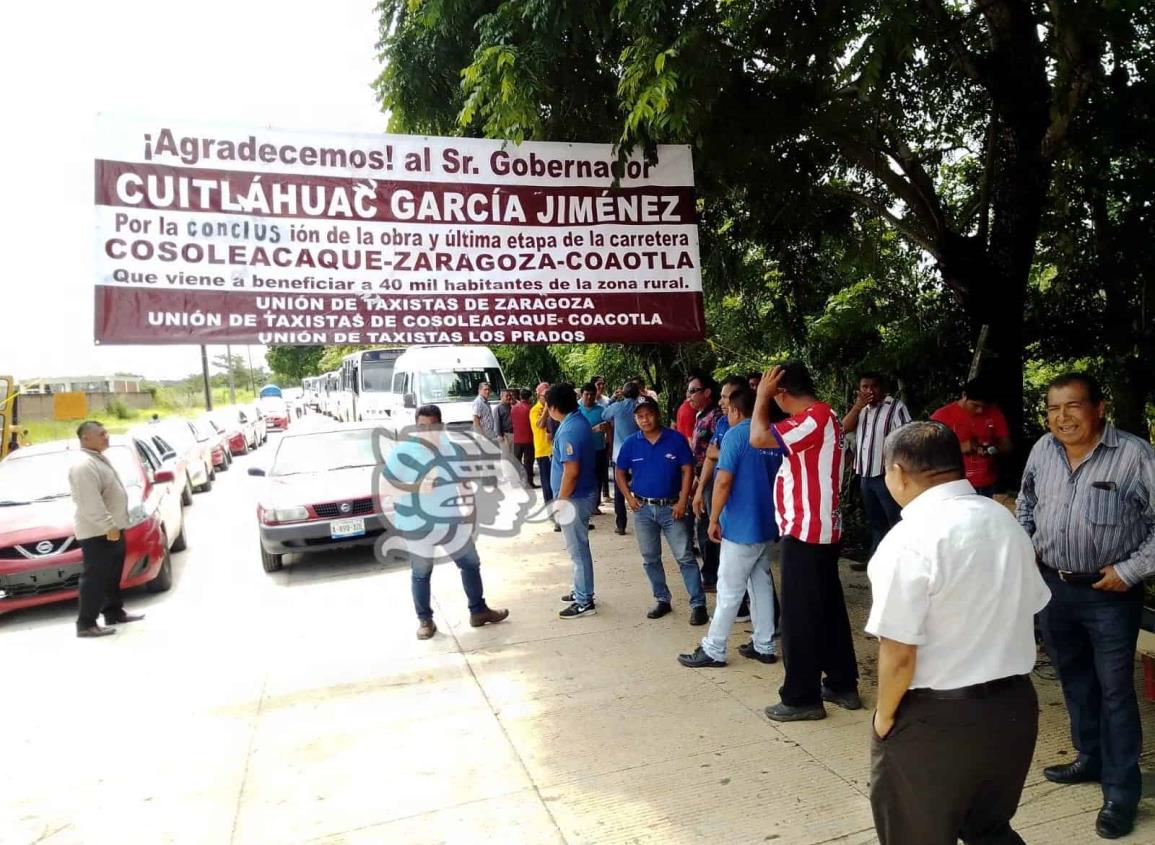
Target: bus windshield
[376,376]
[457,385]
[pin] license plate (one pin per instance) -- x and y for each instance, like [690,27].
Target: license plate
[343,528]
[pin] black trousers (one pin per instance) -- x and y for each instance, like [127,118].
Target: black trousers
[619,503]
[100,580]
[816,635]
[711,551]
[954,769]
[523,454]
[602,468]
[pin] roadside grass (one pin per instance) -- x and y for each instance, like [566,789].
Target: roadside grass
[118,418]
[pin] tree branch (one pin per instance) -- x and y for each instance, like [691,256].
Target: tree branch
[904,226]
[948,25]
[1075,45]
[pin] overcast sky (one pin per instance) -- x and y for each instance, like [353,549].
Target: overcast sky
[297,64]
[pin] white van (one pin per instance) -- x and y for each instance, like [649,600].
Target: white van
[446,376]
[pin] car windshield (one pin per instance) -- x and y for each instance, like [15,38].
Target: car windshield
[456,385]
[323,451]
[44,476]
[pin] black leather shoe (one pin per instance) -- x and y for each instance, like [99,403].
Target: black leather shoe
[698,659]
[94,631]
[748,650]
[659,610]
[1081,771]
[123,618]
[1115,820]
[698,616]
[845,700]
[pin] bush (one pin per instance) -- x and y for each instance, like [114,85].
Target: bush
[118,410]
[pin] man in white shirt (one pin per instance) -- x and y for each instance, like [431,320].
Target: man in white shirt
[955,589]
[873,416]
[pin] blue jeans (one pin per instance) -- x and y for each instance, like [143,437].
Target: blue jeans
[743,567]
[650,523]
[543,470]
[577,543]
[882,511]
[470,565]
[1090,636]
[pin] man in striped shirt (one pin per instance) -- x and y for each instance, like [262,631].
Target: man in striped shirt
[873,417]
[816,637]
[1088,502]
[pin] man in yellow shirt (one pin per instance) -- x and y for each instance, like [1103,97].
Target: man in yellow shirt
[542,442]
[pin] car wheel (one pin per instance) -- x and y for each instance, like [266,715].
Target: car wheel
[163,580]
[181,541]
[207,486]
[186,494]
[270,561]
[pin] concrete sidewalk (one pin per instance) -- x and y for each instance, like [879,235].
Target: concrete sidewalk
[321,719]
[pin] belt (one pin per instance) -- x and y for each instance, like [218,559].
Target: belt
[647,501]
[983,690]
[1075,579]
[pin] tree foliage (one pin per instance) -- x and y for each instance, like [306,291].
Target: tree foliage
[292,363]
[816,124]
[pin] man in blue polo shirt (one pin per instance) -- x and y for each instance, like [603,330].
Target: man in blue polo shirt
[654,472]
[743,521]
[619,416]
[574,479]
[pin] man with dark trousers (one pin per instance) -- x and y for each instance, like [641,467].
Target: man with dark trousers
[101,518]
[955,591]
[702,392]
[654,471]
[1088,501]
[816,637]
[618,420]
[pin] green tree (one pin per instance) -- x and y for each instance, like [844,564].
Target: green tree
[292,363]
[942,118]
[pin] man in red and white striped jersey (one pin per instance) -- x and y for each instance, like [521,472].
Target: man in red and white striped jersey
[816,637]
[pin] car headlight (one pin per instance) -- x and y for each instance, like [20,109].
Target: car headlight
[272,516]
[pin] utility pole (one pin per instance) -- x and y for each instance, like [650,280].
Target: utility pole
[232,378]
[252,378]
[205,373]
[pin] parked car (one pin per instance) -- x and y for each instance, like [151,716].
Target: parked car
[318,493]
[208,431]
[260,424]
[276,411]
[198,453]
[238,429]
[178,460]
[40,559]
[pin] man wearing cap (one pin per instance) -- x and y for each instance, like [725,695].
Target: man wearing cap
[955,591]
[654,471]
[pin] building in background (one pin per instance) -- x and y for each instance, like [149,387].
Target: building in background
[119,383]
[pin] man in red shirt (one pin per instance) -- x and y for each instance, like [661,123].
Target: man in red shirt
[684,422]
[816,637]
[982,430]
[523,434]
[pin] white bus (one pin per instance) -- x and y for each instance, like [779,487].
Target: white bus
[311,389]
[366,380]
[330,390]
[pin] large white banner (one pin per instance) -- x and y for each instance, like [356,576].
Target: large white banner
[210,235]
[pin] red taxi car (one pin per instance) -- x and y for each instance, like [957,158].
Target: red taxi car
[40,559]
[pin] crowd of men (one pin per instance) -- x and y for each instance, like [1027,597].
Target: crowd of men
[751,473]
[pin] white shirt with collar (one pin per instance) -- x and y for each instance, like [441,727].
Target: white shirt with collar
[957,578]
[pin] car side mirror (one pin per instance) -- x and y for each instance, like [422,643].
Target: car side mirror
[164,476]
[410,400]
[256,471]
